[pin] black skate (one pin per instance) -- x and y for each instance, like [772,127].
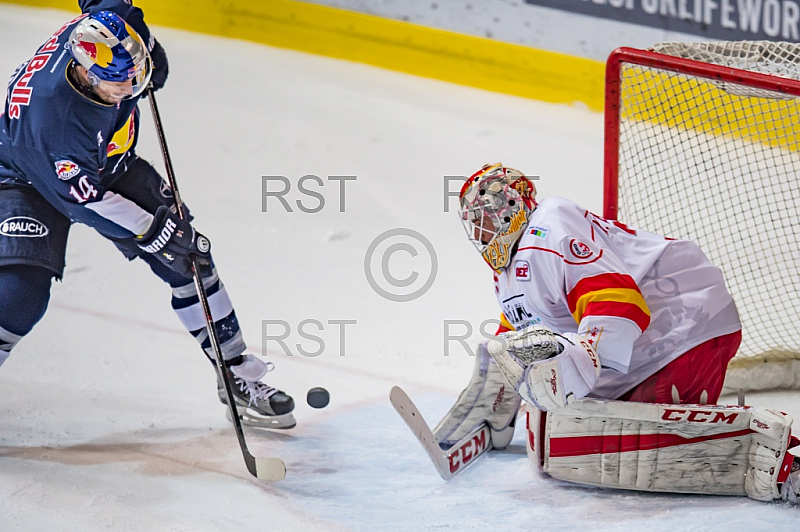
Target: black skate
[257,404]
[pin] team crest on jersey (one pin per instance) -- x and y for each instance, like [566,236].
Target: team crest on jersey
[539,232]
[579,249]
[66,170]
[522,270]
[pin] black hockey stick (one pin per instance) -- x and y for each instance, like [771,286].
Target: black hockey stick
[262,468]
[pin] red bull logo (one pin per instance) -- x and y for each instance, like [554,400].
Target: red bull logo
[89,48]
[123,138]
[101,54]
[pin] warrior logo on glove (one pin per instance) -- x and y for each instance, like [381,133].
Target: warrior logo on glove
[174,242]
[163,237]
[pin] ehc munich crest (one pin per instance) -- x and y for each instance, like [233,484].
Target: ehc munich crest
[66,170]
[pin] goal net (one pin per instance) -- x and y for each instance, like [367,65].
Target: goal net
[703,143]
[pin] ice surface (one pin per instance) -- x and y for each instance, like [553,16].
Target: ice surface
[109,413]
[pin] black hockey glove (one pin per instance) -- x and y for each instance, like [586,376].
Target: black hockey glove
[160,66]
[172,241]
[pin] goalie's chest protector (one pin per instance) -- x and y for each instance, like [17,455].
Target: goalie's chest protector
[525,293]
[564,244]
[567,257]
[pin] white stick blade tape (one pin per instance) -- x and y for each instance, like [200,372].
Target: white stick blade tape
[271,469]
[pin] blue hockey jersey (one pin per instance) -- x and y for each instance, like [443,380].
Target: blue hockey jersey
[67,146]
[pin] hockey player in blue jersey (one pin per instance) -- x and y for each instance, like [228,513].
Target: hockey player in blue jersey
[68,135]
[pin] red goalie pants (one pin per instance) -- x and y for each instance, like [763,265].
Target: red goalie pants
[701,369]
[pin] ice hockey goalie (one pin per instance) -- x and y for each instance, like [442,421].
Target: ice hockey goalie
[617,340]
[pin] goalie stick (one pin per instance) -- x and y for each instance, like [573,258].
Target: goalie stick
[455,459]
[261,468]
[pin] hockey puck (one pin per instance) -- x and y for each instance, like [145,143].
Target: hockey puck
[318,397]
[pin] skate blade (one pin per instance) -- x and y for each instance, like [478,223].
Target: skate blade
[251,419]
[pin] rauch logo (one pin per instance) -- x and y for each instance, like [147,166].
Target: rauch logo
[23,226]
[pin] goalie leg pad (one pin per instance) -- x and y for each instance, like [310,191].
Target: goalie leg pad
[721,450]
[488,398]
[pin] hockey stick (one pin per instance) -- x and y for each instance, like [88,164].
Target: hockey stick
[456,458]
[262,468]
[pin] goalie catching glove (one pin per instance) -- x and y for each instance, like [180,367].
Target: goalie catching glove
[174,241]
[548,370]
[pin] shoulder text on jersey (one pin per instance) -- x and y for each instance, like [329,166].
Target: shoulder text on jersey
[22,91]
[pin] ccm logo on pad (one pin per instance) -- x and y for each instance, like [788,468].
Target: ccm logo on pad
[699,416]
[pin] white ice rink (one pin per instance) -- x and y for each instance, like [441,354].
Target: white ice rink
[109,418]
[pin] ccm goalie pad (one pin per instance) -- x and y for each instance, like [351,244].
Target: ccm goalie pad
[487,399]
[709,449]
[482,418]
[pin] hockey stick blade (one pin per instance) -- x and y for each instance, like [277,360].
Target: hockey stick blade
[455,459]
[271,469]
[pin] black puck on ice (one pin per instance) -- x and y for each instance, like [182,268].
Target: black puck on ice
[318,397]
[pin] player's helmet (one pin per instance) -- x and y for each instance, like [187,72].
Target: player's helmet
[496,203]
[110,50]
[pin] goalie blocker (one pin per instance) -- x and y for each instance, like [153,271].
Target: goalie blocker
[708,449]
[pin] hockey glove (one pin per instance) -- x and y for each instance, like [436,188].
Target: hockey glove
[173,241]
[548,370]
[160,66]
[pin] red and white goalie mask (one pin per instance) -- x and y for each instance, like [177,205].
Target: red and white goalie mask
[496,203]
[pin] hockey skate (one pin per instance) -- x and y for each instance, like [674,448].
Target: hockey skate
[257,404]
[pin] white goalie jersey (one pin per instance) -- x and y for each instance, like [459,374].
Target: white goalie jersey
[641,299]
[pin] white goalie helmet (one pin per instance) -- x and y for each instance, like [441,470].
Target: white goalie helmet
[496,203]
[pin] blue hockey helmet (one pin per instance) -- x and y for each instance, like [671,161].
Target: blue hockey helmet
[111,50]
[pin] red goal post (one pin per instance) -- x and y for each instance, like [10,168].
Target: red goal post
[702,142]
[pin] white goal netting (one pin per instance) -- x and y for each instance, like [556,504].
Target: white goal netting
[718,162]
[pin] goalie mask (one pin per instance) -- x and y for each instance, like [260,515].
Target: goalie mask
[110,50]
[496,203]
